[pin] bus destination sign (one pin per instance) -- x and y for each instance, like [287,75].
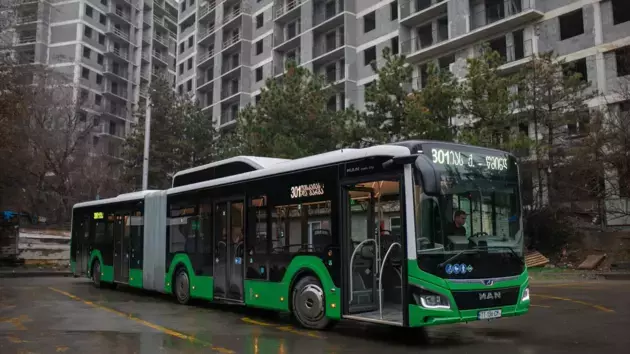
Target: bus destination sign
[457,158]
[307,190]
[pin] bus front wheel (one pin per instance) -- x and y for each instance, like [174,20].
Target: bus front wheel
[309,303]
[182,286]
[96,274]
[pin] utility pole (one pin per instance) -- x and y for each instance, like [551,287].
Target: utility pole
[147,140]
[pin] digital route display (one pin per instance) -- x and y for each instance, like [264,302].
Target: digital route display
[444,156]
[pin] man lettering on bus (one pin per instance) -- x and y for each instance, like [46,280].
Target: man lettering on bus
[457,228]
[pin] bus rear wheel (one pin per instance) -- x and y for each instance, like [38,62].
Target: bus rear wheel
[182,286]
[309,303]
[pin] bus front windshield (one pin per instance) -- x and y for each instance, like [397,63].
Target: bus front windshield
[472,229]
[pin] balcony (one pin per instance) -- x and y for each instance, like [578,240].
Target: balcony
[119,15]
[204,82]
[330,18]
[163,58]
[144,75]
[289,37]
[231,40]
[160,74]
[117,52]
[116,111]
[416,12]
[514,56]
[205,34]
[330,49]
[116,92]
[205,56]
[230,65]
[118,33]
[279,67]
[286,10]
[25,39]
[160,39]
[205,9]
[230,90]
[111,131]
[228,117]
[231,15]
[491,21]
[333,76]
[113,71]
[26,19]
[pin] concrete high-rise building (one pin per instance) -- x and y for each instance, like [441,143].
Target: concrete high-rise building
[112,49]
[226,49]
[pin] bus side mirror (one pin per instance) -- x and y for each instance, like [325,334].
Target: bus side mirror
[428,175]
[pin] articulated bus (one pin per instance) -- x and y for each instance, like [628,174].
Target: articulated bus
[363,234]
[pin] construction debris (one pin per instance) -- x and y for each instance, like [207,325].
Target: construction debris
[592,261]
[535,259]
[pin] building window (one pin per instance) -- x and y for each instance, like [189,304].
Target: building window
[181,47]
[103,19]
[99,79]
[190,63]
[104,2]
[576,67]
[571,24]
[189,85]
[621,11]
[101,39]
[369,55]
[180,89]
[622,57]
[87,31]
[395,45]
[259,47]
[98,99]
[87,52]
[259,74]
[88,10]
[85,73]
[257,98]
[99,59]
[84,95]
[181,68]
[393,10]
[369,22]
[191,41]
[260,21]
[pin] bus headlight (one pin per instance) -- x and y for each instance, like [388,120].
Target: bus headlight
[429,299]
[525,296]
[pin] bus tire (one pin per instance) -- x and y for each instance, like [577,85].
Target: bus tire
[308,303]
[96,274]
[181,286]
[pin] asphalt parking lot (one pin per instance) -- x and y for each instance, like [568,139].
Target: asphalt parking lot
[68,315]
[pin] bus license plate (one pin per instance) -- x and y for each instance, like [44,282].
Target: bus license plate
[489,314]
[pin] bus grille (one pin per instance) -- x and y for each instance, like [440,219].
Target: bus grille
[479,299]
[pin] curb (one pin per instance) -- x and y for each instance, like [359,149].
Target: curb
[32,274]
[615,276]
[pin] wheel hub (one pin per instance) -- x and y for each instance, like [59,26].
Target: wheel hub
[310,302]
[182,286]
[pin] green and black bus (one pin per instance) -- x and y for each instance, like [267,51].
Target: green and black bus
[363,234]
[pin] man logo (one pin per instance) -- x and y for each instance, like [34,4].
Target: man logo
[490,295]
[487,282]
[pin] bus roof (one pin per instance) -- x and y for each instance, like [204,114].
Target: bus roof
[120,198]
[301,164]
[256,162]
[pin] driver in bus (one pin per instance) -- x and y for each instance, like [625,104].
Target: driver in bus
[457,228]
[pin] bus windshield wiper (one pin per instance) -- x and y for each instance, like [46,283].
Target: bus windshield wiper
[468,250]
[511,251]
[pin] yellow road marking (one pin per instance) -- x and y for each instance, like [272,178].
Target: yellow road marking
[598,307]
[288,329]
[16,340]
[162,329]
[61,349]
[17,322]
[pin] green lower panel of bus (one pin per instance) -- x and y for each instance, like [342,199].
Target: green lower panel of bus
[266,295]
[135,278]
[201,287]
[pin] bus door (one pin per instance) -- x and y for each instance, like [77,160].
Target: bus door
[229,250]
[83,248]
[374,254]
[121,248]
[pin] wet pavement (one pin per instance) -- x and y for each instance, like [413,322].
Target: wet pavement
[68,315]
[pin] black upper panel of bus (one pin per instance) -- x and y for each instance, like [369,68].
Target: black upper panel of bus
[415,146]
[210,173]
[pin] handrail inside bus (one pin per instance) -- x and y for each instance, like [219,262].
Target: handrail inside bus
[380,277]
[352,261]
